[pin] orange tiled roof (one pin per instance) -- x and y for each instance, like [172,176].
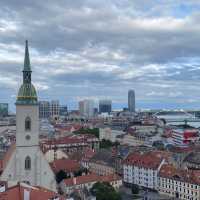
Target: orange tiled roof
[146,160]
[90,178]
[188,176]
[17,193]
[65,164]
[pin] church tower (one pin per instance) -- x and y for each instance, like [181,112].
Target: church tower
[27,163]
[27,111]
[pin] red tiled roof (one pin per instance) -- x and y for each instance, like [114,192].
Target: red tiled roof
[17,193]
[64,140]
[146,160]
[90,178]
[88,153]
[81,180]
[75,139]
[65,164]
[188,176]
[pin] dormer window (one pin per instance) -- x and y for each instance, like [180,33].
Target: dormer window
[28,124]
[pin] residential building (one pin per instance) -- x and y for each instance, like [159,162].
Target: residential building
[105,106]
[87,181]
[110,132]
[54,154]
[192,161]
[71,144]
[131,101]
[142,169]
[102,163]
[179,183]
[67,165]
[132,140]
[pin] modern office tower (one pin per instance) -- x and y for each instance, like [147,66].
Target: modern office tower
[63,110]
[86,108]
[3,109]
[131,100]
[105,106]
[81,107]
[95,111]
[54,109]
[44,109]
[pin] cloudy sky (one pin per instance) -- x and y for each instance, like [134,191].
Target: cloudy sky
[102,48]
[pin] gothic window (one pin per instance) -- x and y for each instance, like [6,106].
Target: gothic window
[27,163]
[28,124]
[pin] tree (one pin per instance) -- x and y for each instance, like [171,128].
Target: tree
[106,144]
[135,189]
[60,176]
[104,191]
[159,145]
[94,131]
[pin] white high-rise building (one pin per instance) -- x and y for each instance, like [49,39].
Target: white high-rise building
[27,163]
[55,109]
[86,107]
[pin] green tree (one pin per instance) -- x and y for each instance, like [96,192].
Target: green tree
[135,189]
[104,191]
[94,131]
[60,176]
[106,144]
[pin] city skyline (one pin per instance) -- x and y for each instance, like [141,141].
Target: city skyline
[101,49]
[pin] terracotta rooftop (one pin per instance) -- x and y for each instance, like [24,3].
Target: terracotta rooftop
[64,140]
[90,178]
[188,176]
[65,164]
[17,193]
[146,160]
[86,154]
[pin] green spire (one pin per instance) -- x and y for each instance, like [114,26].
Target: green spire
[27,65]
[27,94]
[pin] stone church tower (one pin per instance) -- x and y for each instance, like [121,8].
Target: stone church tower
[27,163]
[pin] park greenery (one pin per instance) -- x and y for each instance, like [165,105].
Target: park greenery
[104,191]
[106,144]
[94,131]
[135,189]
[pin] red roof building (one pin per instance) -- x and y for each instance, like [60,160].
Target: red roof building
[23,191]
[179,183]
[67,165]
[87,181]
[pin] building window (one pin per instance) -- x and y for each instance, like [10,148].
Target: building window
[27,163]
[28,124]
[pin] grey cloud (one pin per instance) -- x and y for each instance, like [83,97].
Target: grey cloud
[106,46]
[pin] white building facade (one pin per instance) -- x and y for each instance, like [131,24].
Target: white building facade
[142,170]
[86,108]
[181,184]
